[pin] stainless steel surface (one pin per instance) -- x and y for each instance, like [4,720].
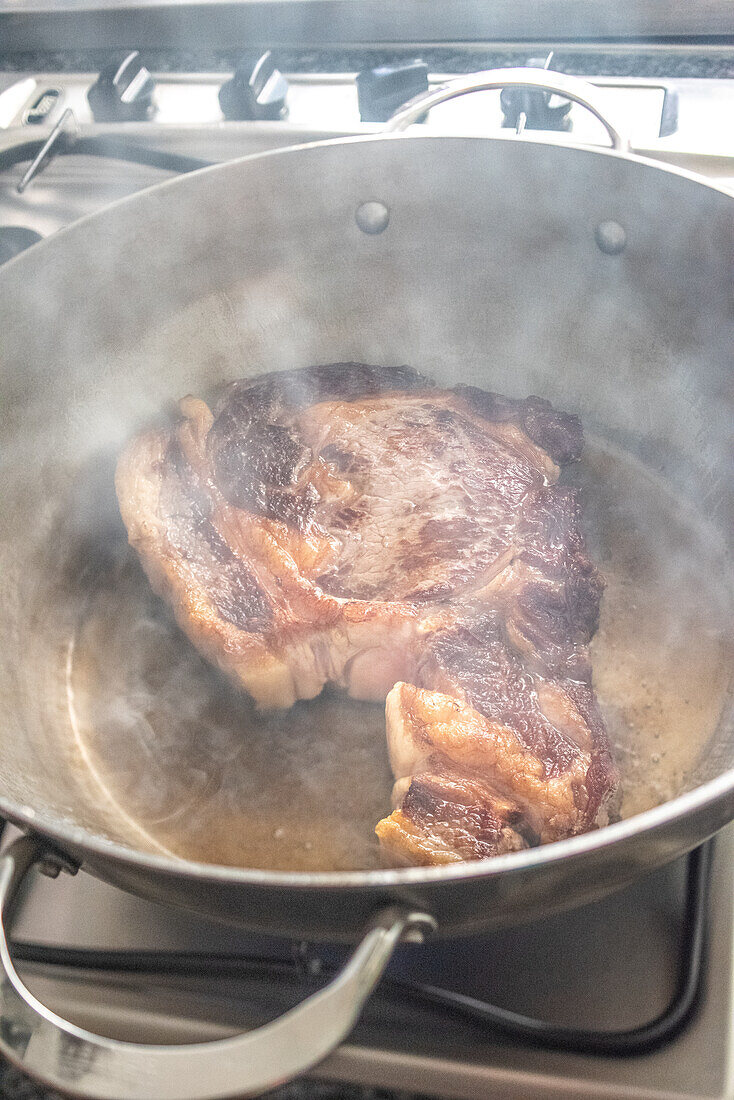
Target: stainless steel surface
[42,24]
[570,87]
[72,186]
[71,1058]
[608,965]
[102,387]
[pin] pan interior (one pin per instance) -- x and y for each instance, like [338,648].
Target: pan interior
[189,767]
[488,273]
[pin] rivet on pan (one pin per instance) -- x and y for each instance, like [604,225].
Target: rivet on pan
[611,237]
[372,217]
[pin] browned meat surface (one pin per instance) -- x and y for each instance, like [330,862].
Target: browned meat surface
[446,815]
[356,525]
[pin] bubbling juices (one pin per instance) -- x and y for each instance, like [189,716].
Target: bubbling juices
[662,658]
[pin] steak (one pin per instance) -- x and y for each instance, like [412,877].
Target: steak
[358,526]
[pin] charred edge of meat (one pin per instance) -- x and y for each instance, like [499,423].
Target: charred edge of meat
[553,543]
[257,462]
[559,434]
[232,587]
[475,659]
[464,813]
[602,775]
[550,530]
[557,614]
[268,394]
[557,621]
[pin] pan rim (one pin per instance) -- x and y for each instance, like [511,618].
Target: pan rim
[509,139]
[709,793]
[90,843]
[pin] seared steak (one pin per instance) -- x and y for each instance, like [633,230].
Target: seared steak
[356,525]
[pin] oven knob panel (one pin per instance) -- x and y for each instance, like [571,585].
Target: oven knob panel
[381,91]
[257,91]
[123,91]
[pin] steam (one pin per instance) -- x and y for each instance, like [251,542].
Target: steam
[186,756]
[487,274]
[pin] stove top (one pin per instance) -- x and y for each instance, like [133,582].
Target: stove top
[608,966]
[613,965]
[678,120]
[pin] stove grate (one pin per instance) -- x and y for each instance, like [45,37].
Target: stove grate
[625,1043]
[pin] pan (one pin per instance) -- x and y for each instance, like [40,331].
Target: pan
[589,276]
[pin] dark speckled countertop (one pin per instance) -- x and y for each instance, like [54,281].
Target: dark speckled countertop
[15,1086]
[659,62]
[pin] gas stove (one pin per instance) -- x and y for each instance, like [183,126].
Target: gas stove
[138,971]
[101,149]
[134,970]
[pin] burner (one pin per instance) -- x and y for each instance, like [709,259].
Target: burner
[617,979]
[308,964]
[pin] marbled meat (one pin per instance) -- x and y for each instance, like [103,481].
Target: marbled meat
[359,526]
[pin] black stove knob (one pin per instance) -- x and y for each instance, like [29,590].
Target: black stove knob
[535,105]
[381,91]
[257,91]
[123,91]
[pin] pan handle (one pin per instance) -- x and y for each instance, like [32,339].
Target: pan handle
[570,87]
[69,1058]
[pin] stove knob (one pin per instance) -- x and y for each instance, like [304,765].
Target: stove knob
[123,91]
[381,91]
[257,91]
[534,104]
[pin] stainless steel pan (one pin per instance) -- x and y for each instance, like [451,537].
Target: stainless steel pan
[589,276]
